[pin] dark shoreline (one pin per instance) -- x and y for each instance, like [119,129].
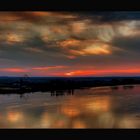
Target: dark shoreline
[22,85]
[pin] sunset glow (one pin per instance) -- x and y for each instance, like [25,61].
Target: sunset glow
[14,70]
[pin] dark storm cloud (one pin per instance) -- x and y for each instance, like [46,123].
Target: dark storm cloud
[65,17]
[43,18]
[129,43]
[107,16]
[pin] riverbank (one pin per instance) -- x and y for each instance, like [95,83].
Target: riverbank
[22,85]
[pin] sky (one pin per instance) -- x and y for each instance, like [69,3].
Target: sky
[70,43]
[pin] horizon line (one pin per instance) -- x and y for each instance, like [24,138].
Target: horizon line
[70,76]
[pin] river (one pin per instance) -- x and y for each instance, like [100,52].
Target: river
[101,107]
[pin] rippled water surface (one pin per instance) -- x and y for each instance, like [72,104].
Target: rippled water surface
[102,107]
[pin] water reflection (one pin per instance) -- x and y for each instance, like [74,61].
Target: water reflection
[62,92]
[79,124]
[115,87]
[14,116]
[128,86]
[70,111]
[100,108]
[100,104]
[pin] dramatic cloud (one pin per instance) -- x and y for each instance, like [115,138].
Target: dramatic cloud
[69,43]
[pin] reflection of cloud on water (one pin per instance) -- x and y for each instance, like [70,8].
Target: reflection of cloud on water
[45,120]
[128,121]
[53,120]
[101,89]
[97,111]
[100,104]
[14,116]
[70,111]
[79,124]
[82,105]
[60,124]
[18,106]
[67,119]
[93,91]
[106,120]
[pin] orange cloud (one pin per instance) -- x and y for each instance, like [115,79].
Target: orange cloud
[78,27]
[85,47]
[57,29]
[40,13]
[97,49]
[120,71]
[36,16]
[70,43]
[13,38]
[8,16]
[92,50]
[16,70]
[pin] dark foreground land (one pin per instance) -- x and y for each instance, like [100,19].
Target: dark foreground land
[33,84]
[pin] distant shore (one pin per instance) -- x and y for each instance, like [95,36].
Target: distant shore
[33,84]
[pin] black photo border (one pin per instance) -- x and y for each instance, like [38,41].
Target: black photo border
[69,5]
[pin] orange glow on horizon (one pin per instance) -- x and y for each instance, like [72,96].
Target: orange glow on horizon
[64,71]
[100,72]
[16,70]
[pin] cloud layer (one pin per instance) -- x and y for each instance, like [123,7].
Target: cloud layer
[69,43]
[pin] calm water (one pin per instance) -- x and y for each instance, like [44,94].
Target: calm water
[103,107]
